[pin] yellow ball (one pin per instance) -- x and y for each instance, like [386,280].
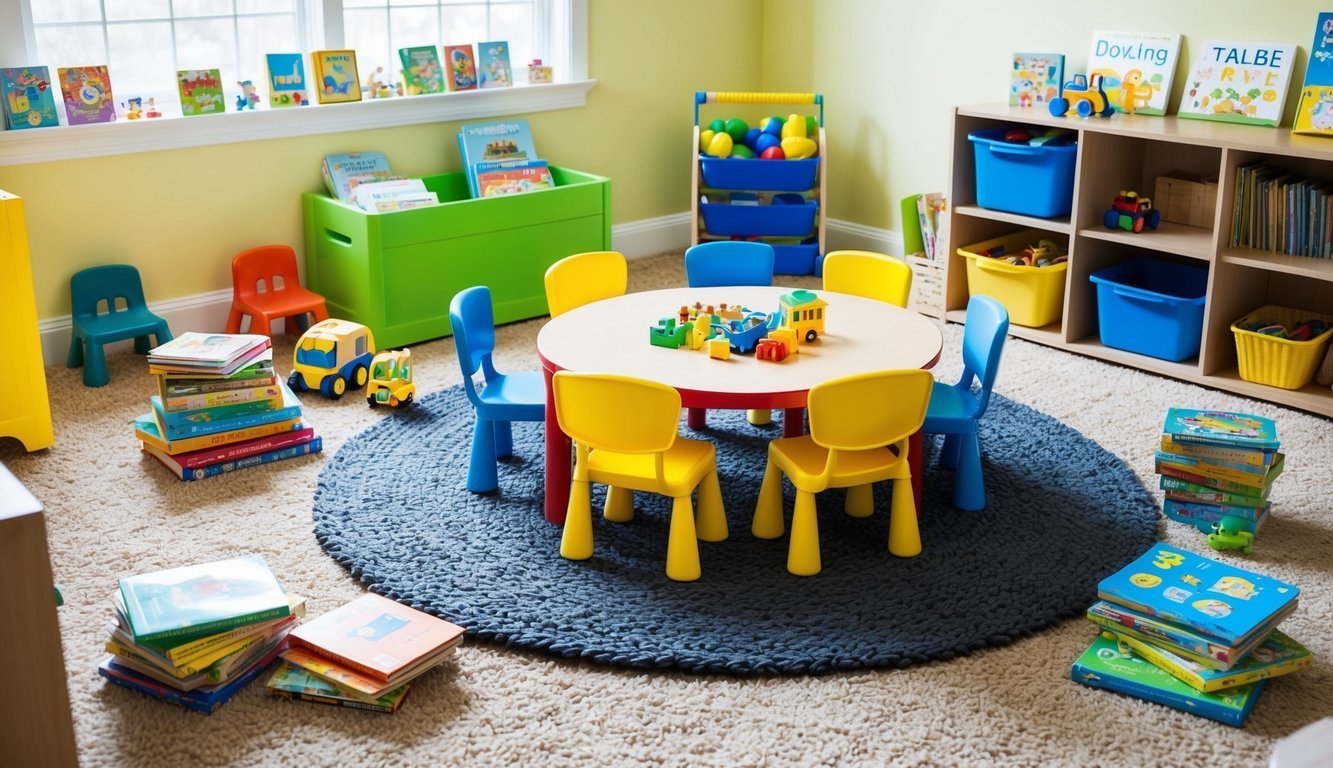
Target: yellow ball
[794,127]
[705,136]
[720,145]
[798,147]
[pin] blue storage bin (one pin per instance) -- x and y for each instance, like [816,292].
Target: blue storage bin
[795,259]
[1151,307]
[759,174]
[775,219]
[1032,180]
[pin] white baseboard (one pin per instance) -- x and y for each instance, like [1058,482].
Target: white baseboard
[636,239]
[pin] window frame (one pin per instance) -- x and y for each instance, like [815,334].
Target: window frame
[64,142]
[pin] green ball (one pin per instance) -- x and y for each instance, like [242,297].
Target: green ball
[742,151]
[718,126]
[811,126]
[737,128]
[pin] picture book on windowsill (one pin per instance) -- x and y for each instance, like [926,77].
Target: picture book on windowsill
[421,70]
[335,75]
[287,86]
[87,92]
[28,98]
[493,69]
[1239,82]
[1314,113]
[201,91]
[462,75]
[1035,78]
[1136,69]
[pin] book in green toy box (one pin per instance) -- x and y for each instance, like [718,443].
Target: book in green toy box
[169,607]
[1113,666]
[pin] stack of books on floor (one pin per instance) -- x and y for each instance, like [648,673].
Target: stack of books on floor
[1216,465]
[1192,633]
[196,635]
[363,655]
[220,407]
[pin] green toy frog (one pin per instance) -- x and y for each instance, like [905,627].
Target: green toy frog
[1230,533]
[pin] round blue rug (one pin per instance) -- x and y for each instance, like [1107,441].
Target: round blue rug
[1062,513]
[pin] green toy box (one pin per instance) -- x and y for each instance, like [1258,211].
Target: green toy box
[396,272]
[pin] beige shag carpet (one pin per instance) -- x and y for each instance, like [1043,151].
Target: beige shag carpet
[113,511]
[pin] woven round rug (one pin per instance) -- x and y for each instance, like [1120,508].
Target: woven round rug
[1062,513]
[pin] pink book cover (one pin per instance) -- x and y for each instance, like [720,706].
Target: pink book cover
[87,92]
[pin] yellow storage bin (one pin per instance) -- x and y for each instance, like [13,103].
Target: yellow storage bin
[1034,296]
[1274,361]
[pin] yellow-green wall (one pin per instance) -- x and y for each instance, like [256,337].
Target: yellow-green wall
[890,73]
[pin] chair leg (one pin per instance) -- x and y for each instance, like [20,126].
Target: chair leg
[482,476]
[803,550]
[904,536]
[712,515]
[767,521]
[619,504]
[759,418]
[75,357]
[504,439]
[142,344]
[969,490]
[682,563]
[949,451]
[94,365]
[860,501]
[162,333]
[259,324]
[576,539]
[233,320]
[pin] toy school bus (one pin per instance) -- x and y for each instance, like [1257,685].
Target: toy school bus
[391,379]
[803,312]
[331,356]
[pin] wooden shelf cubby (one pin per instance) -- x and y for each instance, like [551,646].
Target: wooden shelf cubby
[1130,152]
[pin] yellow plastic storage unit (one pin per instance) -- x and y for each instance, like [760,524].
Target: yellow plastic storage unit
[396,272]
[1034,296]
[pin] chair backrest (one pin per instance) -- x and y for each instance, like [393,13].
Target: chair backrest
[259,266]
[729,262]
[868,274]
[869,410]
[109,282]
[983,340]
[473,323]
[616,413]
[584,278]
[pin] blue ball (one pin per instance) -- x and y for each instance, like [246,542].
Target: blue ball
[751,136]
[765,141]
[772,126]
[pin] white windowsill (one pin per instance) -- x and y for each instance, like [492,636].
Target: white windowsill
[40,145]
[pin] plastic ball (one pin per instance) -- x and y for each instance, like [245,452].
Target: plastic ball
[811,126]
[1017,135]
[742,151]
[772,153]
[737,128]
[765,141]
[705,138]
[752,137]
[794,127]
[798,147]
[717,126]
[772,126]
[720,146]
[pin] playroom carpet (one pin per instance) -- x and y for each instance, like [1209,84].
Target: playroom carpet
[112,512]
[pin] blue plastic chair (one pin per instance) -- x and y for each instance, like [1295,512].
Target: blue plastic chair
[956,409]
[504,398]
[90,287]
[729,262]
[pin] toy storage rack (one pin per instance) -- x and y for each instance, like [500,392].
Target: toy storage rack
[766,176]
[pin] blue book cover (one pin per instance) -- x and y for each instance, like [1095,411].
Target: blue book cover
[487,142]
[206,699]
[29,98]
[1314,113]
[1215,598]
[1202,516]
[1113,666]
[178,428]
[493,70]
[287,85]
[267,457]
[1202,648]
[1238,430]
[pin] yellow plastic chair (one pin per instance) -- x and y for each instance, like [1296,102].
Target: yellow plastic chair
[872,275]
[849,446]
[584,278]
[625,436]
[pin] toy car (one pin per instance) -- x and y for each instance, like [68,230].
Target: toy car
[1230,533]
[1084,97]
[1130,212]
[330,357]
[391,379]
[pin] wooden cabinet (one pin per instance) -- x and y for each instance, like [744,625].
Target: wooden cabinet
[24,410]
[1130,152]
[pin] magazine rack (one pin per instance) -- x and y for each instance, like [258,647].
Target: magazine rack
[796,231]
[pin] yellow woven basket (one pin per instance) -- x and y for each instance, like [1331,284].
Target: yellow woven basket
[1276,362]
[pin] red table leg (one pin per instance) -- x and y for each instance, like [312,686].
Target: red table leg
[793,422]
[558,448]
[914,460]
[696,418]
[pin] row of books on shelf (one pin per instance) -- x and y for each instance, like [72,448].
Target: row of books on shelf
[1284,212]
[195,635]
[221,407]
[1192,633]
[28,95]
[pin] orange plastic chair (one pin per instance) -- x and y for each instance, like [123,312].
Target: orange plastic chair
[266,287]
[850,445]
[584,278]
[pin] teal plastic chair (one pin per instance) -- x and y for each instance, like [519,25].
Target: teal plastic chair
[503,399]
[729,262]
[956,409]
[94,327]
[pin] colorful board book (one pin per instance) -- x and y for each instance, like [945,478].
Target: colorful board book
[344,171]
[1203,515]
[421,70]
[1215,598]
[335,74]
[491,142]
[1110,665]
[304,448]
[512,177]
[87,92]
[1223,428]
[1314,113]
[462,68]
[1239,82]
[172,606]
[1277,655]
[201,91]
[182,424]
[1136,69]
[493,70]
[206,699]
[1035,78]
[292,682]
[28,100]
[287,86]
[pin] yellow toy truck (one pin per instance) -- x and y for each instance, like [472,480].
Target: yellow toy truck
[391,379]
[332,356]
[803,312]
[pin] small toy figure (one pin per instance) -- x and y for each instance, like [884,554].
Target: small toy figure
[133,108]
[151,109]
[249,96]
[391,379]
[1130,212]
[1231,533]
[375,87]
[1084,96]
